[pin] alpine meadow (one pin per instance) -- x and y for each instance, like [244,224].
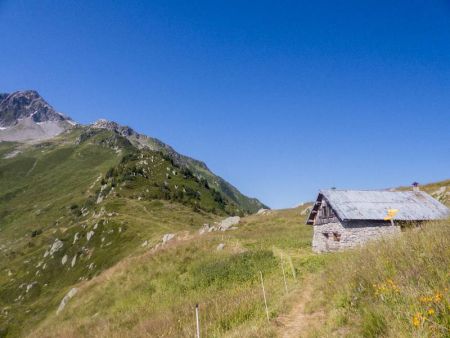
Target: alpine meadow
[224,169]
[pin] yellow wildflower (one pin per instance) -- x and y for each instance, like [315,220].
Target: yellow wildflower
[430,312]
[425,299]
[438,297]
[417,319]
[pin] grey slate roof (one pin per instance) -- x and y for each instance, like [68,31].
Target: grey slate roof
[374,205]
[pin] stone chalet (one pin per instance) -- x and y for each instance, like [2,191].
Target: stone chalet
[348,218]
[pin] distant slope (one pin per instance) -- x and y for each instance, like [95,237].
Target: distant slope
[249,205]
[26,117]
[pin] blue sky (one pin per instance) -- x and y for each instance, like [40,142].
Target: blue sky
[281,98]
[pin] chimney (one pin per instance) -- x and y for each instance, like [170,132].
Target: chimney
[415,186]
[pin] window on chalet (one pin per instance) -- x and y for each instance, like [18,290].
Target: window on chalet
[327,212]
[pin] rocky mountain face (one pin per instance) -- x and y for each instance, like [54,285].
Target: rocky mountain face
[26,116]
[26,104]
[199,168]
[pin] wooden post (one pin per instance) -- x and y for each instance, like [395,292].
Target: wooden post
[292,268]
[264,294]
[197,320]
[284,274]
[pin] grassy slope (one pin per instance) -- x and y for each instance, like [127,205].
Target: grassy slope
[49,191]
[154,293]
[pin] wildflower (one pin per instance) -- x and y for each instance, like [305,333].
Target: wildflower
[417,319]
[425,299]
[430,312]
[438,297]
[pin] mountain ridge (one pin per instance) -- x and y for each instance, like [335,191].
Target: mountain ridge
[26,117]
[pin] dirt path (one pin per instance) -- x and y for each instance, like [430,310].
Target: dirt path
[298,322]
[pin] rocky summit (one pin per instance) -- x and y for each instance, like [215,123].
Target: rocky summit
[113,126]
[26,116]
[26,104]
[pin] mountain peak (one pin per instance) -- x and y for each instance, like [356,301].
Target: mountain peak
[26,116]
[26,104]
[113,126]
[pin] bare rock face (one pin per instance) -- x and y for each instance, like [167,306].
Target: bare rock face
[113,126]
[23,104]
[26,116]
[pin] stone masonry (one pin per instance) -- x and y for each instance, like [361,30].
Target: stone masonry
[338,236]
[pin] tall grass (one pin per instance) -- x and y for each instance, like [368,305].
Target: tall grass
[391,288]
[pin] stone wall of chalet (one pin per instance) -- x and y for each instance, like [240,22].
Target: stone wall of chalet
[335,236]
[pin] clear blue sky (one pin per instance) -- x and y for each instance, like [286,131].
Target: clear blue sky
[281,98]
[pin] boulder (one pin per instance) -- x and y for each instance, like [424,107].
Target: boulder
[66,299]
[64,260]
[167,237]
[74,260]
[56,246]
[263,211]
[227,223]
[89,235]
[76,237]
[204,229]
[30,286]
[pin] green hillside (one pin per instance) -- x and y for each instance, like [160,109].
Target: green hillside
[81,182]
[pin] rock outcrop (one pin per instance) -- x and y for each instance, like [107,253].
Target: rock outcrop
[56,246]
[228,223]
